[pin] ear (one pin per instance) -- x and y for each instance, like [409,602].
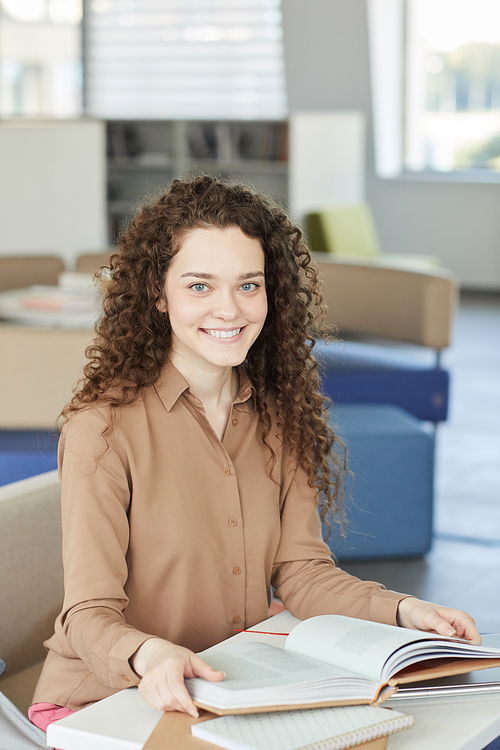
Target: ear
[161,305]
[161,302]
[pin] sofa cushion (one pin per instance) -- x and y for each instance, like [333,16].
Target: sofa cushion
[354,372]
[390,505]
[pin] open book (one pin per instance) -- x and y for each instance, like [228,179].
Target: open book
[331,660]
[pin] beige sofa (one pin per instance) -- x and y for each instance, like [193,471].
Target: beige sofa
[31,580]
[416,306]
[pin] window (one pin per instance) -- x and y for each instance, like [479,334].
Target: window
[40,58]
[435,70]
[453,85]
[185,59]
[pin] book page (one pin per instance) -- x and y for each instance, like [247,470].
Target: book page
[257,665]
[357,645]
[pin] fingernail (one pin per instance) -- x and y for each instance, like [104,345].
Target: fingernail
[194,713]
[450,631]
[225,675]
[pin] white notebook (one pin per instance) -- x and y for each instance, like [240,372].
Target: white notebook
[311,729]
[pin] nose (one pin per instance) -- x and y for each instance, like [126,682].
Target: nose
[226,306]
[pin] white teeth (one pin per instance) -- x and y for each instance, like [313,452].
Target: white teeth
[224,334]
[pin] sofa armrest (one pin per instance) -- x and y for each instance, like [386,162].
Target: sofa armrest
[31,573]
[415,306]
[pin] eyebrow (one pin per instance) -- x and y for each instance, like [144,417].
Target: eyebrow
[211,277]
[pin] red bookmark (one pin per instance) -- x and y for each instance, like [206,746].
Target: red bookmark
[260,632]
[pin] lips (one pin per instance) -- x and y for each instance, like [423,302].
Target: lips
[220,334]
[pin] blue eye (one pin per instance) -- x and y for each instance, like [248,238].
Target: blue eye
[249,286]
[199,287]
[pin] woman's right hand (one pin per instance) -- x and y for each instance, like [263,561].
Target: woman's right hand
[163,667]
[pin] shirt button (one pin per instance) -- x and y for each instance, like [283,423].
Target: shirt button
[236,619]
[232,522]
[125,678]
[235,422]
[226,471]
[236,571]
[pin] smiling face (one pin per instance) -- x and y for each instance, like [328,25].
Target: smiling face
[215,297]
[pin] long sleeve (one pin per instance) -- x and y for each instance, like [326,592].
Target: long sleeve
[306,578]
[95,501]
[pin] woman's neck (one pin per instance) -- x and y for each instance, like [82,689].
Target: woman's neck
[216,388]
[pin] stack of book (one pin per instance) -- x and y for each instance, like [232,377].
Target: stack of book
[330,665]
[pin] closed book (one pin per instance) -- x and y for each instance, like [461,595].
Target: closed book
[311,729]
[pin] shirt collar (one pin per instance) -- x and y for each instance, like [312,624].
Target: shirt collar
[171,385]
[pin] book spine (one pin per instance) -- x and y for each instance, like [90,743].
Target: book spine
[360,736]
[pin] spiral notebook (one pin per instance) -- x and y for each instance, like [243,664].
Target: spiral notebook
[335,728]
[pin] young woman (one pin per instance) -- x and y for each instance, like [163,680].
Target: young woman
[195,456]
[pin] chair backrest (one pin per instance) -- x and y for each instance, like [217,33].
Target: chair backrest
[407,305]
[20,271]
[90,262]
[31,573]
[344,230]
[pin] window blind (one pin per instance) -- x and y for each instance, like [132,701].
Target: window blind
[185,59]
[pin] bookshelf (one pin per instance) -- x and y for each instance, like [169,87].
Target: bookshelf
[143,156]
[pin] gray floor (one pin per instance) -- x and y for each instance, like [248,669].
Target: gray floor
[463,567]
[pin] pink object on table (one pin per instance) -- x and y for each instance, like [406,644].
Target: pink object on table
[43,714]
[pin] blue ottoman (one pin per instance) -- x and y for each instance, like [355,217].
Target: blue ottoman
[389,507]
[354,372]
[24,453]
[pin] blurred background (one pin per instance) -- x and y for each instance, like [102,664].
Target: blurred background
[393,105]
[214,83]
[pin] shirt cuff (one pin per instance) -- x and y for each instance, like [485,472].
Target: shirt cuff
[385,608]
[120,672]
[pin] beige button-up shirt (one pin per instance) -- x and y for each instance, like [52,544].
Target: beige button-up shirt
[168,531]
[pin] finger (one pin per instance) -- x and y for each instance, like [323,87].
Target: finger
[180,694]
[158,694]
[201,669]
[464,625]
[471,633]
[433,621]
[152,695]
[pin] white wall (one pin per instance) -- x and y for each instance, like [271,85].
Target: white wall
[52,187]
[326,52]
[326,160]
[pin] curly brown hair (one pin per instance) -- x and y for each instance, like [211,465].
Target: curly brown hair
[133,338]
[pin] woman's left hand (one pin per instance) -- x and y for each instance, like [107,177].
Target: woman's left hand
[420,615]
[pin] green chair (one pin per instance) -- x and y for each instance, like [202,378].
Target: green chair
[349,233]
